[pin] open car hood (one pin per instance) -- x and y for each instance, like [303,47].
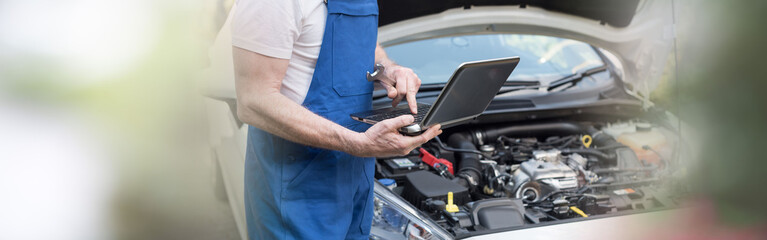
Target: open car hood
[614,13]
[639,33]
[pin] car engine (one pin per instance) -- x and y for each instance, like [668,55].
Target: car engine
[498,177]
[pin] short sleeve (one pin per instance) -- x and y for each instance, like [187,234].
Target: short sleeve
[268,27]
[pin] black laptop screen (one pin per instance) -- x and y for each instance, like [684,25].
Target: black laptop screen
[470,91]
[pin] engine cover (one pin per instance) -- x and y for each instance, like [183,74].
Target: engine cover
[422,185]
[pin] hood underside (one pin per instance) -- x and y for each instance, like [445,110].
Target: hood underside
[614,13]
[640,33]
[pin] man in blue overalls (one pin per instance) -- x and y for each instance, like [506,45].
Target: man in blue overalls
[300,71]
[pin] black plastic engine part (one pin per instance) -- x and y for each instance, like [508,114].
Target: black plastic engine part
[434,205]
[497,213]
[469,168]
[629,199]
[397,168]
[535,216]
[594,204]
[423,185]
[460,219]
[561,206]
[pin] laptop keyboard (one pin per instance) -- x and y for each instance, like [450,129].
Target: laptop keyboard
[422,110]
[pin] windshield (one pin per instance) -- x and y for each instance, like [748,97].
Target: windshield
[542,58]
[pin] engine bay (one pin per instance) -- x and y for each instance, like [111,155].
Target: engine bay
[482,179]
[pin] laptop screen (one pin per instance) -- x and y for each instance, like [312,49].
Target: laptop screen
[469,91]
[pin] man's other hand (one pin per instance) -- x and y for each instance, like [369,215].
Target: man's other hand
[383,139]
[401,82]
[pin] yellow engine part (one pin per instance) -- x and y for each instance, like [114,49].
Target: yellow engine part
[450,207]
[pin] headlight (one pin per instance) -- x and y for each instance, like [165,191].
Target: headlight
[396,219]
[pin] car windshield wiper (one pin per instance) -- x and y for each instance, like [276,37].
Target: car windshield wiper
[575,78]
[508,86]
[521,83]
[514,85]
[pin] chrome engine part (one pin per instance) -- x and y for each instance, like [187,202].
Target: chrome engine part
[548,170]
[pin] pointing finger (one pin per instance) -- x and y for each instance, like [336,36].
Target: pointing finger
[401,86]
[412,89]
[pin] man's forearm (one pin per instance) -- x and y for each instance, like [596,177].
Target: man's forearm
[259,103]
[381,57]
[294,122]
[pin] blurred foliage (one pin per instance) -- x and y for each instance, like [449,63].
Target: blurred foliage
[664,95]
[151,119]
[723,80]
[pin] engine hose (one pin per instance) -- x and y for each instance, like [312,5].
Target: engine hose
[592,152]
[618,170]
[446,148]
[611,147]
[469,167]
[568,143]
[602,140]
[488,135]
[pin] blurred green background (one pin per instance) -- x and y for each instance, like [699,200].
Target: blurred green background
[722,85]
[122,82]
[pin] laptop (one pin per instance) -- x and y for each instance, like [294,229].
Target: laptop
[465,96]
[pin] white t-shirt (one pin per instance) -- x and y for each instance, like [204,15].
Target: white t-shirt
[287,29]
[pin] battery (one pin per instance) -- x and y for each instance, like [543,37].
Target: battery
[396,168]
[401,165]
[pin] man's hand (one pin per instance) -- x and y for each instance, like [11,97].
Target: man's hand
[400,82]
[383,139]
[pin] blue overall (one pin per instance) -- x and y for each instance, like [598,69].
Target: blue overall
[293,191]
